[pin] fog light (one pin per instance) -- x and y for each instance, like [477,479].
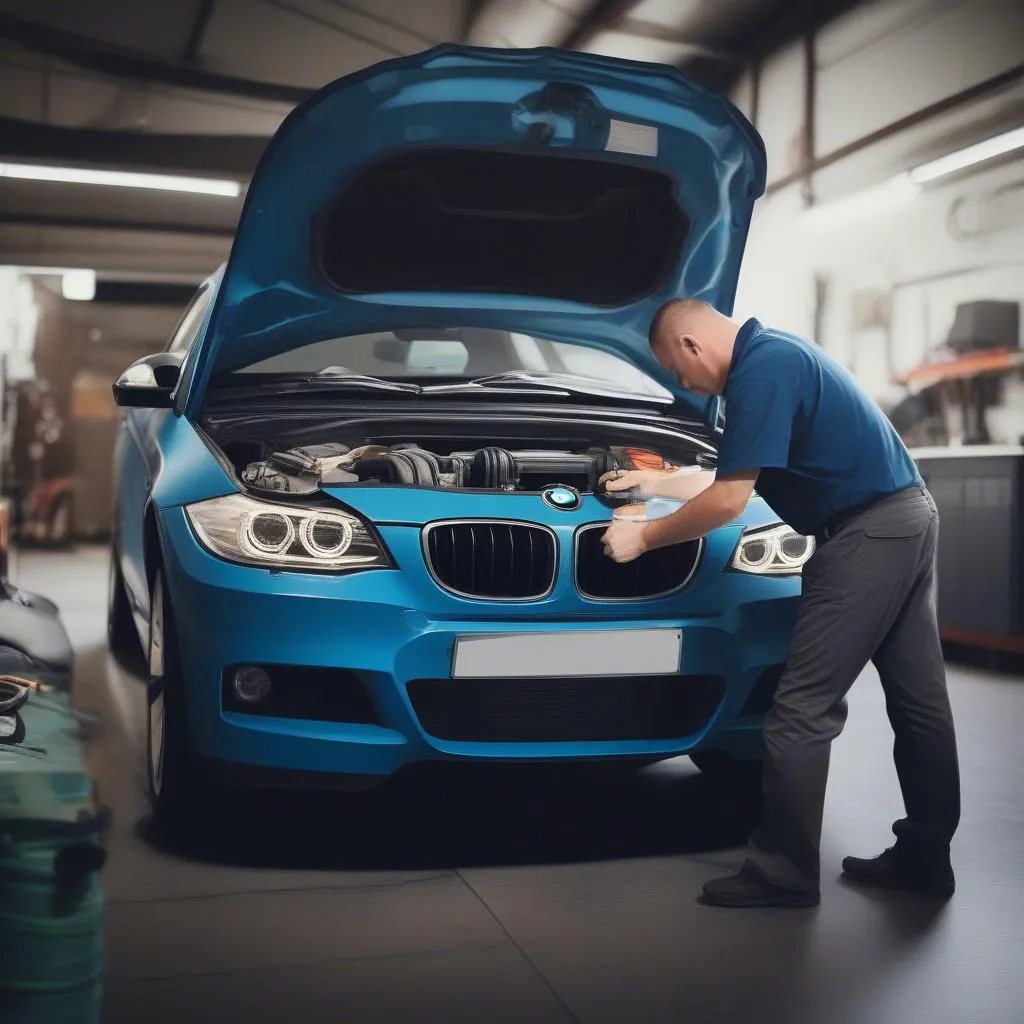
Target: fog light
[251,684]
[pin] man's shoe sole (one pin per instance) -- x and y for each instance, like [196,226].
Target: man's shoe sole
[895,883]
[793,901]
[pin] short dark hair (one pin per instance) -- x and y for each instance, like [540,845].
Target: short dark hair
[668,310]
[658,322]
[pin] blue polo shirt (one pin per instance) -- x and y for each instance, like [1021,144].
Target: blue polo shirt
[821,444]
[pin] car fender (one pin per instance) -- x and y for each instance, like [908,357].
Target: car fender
[187,469]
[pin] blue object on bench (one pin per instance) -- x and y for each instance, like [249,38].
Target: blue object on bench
[52,847]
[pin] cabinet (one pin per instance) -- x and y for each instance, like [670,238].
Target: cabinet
[979,492]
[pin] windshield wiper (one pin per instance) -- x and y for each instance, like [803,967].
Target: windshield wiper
[542,383]
[339,377]
[498,383]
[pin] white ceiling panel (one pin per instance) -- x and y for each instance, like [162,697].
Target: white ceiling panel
[618,44]
[527,23]
[670,13]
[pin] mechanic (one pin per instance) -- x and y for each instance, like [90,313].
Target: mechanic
[828,462]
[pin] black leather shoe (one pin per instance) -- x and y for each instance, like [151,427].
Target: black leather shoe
[930,876]
[746,889]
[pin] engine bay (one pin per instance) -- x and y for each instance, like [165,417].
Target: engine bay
[305,469]
[462,448]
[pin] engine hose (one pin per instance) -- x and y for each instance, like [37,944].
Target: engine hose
[492,467]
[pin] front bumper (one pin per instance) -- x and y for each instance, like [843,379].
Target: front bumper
[384,628]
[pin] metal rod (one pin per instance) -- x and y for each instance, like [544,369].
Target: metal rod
[810,102]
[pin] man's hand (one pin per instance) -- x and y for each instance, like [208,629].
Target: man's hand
[653,483]
[646,481]
[624,540]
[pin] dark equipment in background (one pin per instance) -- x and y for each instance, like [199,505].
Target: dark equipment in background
[985,324]
[964,376]
[980,498]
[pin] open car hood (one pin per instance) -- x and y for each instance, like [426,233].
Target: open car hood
[552,192]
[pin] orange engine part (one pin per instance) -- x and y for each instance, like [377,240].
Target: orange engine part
[642,459]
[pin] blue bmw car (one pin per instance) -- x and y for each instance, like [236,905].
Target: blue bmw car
[359,505]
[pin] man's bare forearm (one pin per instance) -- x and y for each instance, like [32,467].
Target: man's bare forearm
[712,508]
[682,486]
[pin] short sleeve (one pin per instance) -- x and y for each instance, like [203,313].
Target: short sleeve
[759,414]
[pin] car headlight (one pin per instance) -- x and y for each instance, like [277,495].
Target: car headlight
[242,529]
[772,551]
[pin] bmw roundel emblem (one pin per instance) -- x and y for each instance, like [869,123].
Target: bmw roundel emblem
[564,498]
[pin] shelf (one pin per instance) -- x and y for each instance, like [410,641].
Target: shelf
[996,360]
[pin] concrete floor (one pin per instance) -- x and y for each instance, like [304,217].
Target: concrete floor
[503,897]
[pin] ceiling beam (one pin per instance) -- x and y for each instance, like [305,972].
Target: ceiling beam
[44,220]
[93,55]
[601,15]
[110,291]
[195,37]
[472,11]
[233,155]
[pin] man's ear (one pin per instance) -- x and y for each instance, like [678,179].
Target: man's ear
[689,344]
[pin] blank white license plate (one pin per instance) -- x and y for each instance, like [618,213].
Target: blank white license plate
[606,652]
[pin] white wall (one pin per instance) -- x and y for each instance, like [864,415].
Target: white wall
[920,255]
[18,317]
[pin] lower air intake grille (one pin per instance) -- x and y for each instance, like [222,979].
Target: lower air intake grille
[653,574]
[491,558]
[565,710]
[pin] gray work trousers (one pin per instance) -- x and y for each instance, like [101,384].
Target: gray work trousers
[868,594]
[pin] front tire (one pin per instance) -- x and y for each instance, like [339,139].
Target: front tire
[176,796]
[122,638]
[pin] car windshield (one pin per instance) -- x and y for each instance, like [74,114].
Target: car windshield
[459,353]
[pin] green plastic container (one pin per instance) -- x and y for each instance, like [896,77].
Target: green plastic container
[51,853]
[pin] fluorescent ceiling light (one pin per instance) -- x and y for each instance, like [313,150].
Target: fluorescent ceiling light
[998,145]
[124,179]
[79,285]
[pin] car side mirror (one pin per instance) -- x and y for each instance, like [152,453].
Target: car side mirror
[149,382]
[713,414]
[392,350]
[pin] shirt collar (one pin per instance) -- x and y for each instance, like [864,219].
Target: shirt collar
[743,336]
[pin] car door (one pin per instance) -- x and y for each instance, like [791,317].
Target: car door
[136,460]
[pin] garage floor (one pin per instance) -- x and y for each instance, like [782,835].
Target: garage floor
[541,897]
